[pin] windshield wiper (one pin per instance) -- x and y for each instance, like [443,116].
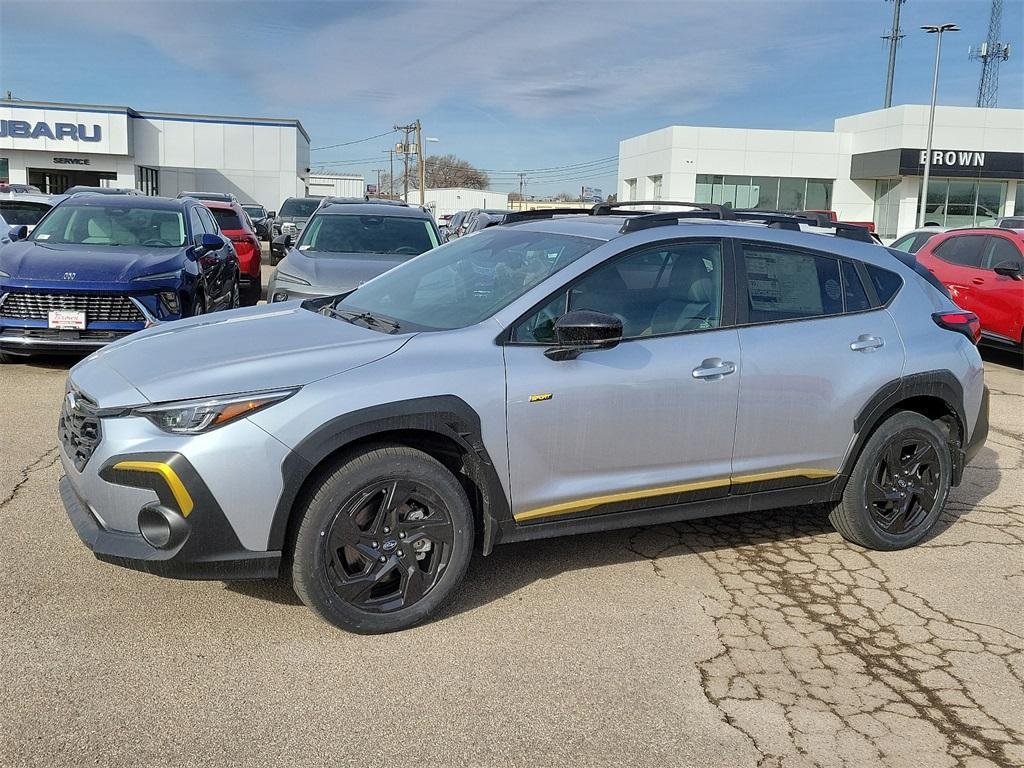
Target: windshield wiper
[367,318]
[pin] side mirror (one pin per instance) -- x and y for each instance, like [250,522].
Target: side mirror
[19,232]
[207,242]
[271,214]
[283,242]
[583,330]
[1011,269]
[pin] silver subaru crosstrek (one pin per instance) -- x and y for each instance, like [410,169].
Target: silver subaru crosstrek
[558,374]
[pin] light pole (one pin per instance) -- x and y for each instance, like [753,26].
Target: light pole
[937,30]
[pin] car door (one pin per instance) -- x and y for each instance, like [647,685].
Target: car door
[999,300]
[960,267]
[218,262]
[646,423]
[814,350]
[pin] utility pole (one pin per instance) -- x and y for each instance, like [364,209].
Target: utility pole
[379,172]
[522,181]
[420,163]
[894,37]
[406,129]
[937,30]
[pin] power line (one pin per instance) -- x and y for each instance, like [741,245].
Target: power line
[356,141]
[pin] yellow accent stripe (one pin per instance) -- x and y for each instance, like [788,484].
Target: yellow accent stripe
[170,477]
[580,505]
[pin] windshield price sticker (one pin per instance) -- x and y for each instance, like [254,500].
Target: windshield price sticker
[66,320]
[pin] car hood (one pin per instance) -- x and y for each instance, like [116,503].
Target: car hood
[33,260]
[258,348]
[339,270]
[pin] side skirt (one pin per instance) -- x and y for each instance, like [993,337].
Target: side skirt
[813,493]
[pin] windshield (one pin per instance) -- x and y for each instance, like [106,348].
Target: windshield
[298,206]
[17,212]
[349,233]
[466,281]
[111,225]
[254,210]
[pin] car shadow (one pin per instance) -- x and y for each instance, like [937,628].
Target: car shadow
[1007,357]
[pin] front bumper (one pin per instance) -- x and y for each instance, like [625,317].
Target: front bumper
[207,547]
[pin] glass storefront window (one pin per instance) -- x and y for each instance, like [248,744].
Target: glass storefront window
[887,207]
[964,203]
[765,192]
[5,172]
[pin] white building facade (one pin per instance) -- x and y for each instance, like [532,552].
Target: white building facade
[336,185]
[451,200]
[55,146]
[868,169]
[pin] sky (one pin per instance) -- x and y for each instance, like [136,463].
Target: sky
[544,88]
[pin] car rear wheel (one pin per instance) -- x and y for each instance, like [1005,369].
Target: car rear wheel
[898,486]
[384,540]
[198,305]
[236,294]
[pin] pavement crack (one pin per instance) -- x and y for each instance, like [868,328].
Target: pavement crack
[45,461]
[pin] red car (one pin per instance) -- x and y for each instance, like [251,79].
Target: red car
[984,271]
[235,226]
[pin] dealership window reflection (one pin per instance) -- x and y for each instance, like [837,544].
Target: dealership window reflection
[964,202]
[765,192]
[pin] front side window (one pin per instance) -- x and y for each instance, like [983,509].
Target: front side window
[965,250]
[367,234]
[468,280]
[671,288]
[1001,250]
[111,225]
[789,285]
[209,224]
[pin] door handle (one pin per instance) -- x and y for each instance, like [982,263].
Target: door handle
[978,280]
[713,368]
[865,343]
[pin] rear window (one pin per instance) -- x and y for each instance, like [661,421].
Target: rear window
[18,212]
[227,218]
[298,206]
[886,283]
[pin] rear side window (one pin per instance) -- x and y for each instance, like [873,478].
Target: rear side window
[964,250]
[886,283]
[789,285]
[227,218]
[853,290]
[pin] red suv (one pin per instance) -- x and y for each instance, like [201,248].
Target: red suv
[235,225]
[984,271]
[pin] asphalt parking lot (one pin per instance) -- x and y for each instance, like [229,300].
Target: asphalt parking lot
[754,640]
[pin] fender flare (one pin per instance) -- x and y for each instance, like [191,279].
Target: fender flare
[445,415]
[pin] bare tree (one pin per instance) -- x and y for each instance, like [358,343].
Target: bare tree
[567,197]
[441,171]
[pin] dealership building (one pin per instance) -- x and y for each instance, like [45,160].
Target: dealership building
[54,146]
[869,168]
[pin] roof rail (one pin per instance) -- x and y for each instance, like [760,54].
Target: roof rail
[606,209]
[543,213]
[784,220]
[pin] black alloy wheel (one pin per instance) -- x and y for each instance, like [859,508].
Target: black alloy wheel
[904,484]
[384,540]
[898,487]
[388,545]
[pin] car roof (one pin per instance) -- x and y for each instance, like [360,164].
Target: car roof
[135,201]
[224,205]
[374,209]
[31,197]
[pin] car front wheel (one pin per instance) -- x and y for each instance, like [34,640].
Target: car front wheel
[898,486]
[384,541]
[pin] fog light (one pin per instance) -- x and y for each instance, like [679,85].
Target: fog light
[169,303]
[162,528]
[279,296]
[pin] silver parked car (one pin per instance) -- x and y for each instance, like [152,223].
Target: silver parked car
[348,243]
[553,375]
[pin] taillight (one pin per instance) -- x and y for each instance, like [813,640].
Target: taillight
[966,323]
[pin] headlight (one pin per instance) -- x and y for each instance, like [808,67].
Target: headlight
[3,274]
[191,417]
[284,277]
[161,276]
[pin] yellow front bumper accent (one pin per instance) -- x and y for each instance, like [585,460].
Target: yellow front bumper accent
[177,488]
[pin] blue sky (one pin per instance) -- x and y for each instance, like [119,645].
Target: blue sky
[508,86]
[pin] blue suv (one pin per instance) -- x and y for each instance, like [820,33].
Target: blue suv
[99,267]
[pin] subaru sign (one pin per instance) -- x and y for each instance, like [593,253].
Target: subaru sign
[23,129]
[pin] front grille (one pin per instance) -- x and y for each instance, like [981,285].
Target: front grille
[53,334]
[37,306]
[79,428]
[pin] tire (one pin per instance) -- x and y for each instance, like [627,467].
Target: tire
[236,294]
[252,294]
[349,525]
[198,305]
[5,358]
[885,509]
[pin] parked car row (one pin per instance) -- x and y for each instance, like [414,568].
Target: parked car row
[473,220]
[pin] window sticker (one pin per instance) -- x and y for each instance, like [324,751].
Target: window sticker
[783,283]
